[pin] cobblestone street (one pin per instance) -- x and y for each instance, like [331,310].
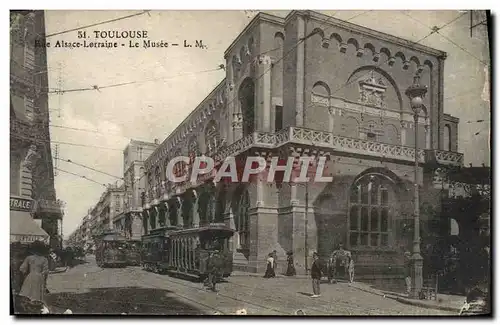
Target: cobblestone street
[90,289]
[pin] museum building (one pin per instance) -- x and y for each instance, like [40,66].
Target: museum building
[313,85]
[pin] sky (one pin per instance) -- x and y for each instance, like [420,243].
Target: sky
[103,121]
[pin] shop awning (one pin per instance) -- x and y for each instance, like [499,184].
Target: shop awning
[24,229]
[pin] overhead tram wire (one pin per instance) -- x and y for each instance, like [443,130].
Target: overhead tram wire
[97,24]
[436,30]
[87,167]
[97,88]
[81,176]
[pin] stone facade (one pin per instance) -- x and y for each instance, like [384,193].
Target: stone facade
[31,170]
[312,85]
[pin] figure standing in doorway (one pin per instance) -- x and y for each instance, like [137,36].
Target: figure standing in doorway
[290,270]
[316,276]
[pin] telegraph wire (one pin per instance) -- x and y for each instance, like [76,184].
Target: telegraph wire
[97,88]
[436,30]
[99,23]
[81,145]
[90,168]
[81,176]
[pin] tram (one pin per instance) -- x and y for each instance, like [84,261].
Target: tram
[185,252]
[133,250]
[111,250]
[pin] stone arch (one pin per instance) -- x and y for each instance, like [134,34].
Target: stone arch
[321,88]
[250,44]
[337,37]
[279,35]
[241,203]
[370,47]
[246,96]
[354,42]
[429,64]
[386,75]
[415,60]
[212,137]
[386,52]
[401,56]
[372,206]
[318,31]
[243,53]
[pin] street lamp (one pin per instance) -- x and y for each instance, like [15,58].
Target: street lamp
[416,93]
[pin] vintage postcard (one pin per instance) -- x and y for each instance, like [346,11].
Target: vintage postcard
[292,162]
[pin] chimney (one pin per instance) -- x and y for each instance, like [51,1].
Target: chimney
[157,141]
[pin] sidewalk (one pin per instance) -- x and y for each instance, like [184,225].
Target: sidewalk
[444,302]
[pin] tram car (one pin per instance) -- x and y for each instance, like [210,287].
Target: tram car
[133,248]
[154,252]
[186,252]
[111,250]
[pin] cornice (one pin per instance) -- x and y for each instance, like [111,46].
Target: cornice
[260,17]
[329,20]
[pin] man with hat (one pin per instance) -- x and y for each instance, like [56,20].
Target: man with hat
[316,275]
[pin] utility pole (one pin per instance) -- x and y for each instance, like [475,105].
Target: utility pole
[56,160]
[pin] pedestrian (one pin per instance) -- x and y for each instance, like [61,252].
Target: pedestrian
[316,276]
[290,270]
[407,271]
[270,267]
[214,269]
[36,266]
[275,259]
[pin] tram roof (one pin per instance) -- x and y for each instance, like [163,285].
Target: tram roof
[208,228]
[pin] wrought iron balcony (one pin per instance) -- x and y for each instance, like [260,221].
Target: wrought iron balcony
[55,208]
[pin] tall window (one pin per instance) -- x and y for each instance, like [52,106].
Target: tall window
[369,214]
[278,120]
[158,181]
[242,220]
[246,96]
[447,138]
[212,137]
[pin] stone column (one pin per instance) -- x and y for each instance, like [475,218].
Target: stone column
[403,133]
[166,213]
[237,126]
[299,86]
[264,94]
[427,135]
[180,220]
[331,118]
[196,214]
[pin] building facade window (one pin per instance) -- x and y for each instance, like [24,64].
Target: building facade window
[246,96]
[242,220]
[447,138]
[369,212]
[212,137]
[278,119]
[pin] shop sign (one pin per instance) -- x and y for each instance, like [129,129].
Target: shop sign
[21,204]
[27,238]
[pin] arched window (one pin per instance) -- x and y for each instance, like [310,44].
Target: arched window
[447,138]
[242,220]
[212,137]
[158,181]
[179,168]
[246,95]
[369,211]
[193,149]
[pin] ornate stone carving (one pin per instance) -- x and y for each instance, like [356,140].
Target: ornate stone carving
[325,43]
[343,47]
[372,91]
[237,121]
[360,52]
[406,64]
[376,57]
[321,100]
[31,156]
[391,61]
[264,59]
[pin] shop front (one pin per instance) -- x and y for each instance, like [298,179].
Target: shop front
[23,228]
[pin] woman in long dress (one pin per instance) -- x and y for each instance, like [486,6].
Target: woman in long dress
[37,268]
[270,267]
[290,271]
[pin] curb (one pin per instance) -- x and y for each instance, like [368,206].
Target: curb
[409,301]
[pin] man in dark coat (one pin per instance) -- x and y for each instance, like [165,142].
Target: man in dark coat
[214,269]
[316,276]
